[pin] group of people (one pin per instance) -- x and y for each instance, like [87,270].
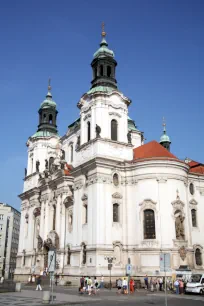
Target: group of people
[155,284]
[179,285]
[122,285]
[87,285]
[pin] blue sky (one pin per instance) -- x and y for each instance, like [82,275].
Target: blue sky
[159,48]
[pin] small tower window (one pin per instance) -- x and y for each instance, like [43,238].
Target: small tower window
[44,118]
[114,130]
[115,212]
[101,70]
[50,119]
[191,188]
[95,73]
[88,131]
[193,216]
[109,71]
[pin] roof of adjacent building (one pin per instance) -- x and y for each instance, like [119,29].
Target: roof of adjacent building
[152,149]
[67,169]
[196,167]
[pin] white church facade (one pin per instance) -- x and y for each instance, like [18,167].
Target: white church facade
[99,191]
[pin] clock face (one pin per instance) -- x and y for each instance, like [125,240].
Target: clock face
[191,188]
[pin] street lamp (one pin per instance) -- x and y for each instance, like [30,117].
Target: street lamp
[110,265]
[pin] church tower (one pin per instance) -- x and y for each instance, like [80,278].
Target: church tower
[104,65]
[43,142]
[164,139]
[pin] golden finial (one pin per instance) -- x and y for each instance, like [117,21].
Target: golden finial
[49,86]
[164,124]
[103,33]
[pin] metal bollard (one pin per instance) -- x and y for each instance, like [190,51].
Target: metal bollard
[46,297]
[18,287]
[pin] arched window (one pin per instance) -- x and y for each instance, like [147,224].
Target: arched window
[88,131]
[71,153]
[95,73]
[198,257]
[116,212]
[115,179]
[101,70]
[114,130]
[149,224]
[44,118]
[51,161]
[193,216]
[50,119]
[109,71]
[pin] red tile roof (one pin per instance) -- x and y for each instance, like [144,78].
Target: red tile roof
[196,167]
[67,169]
[152,149]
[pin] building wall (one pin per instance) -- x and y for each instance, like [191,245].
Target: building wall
[9,234]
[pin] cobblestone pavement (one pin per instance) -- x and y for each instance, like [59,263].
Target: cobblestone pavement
[70,296]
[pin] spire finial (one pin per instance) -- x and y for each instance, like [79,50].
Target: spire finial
[164,125]
[103,33]
[49,86]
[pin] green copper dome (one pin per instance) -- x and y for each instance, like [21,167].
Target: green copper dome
[165,138]
[105,89]
[48,102]
[103,51]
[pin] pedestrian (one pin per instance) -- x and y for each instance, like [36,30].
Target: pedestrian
[151,285]
[89,282]
[146,282]
[2,280]
[131,284]
[176,285]
[82,284]
[125,286]
[102,282]
[38,281]
[181,286]
[160,284]
[95,287]
[119,285]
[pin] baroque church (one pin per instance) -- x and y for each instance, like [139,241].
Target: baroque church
[99,191]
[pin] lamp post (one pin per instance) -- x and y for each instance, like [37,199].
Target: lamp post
[110,265]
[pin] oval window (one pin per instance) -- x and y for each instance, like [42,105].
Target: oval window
[191,188]
[115,179]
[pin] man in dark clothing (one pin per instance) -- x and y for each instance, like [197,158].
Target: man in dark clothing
[38,282]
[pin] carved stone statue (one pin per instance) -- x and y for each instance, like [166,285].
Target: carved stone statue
[129,137]
[78,142]
[46,164]
[37,165]
[25,172]
[40,242]
[62,155]
[180,234]
[98,131]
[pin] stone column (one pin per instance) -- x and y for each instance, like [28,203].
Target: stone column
[47,220]
[58,216]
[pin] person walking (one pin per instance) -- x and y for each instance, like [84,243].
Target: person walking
[176,285]
[38,281]
[131,285]
[119,285]
[125,286]
[160,284]
[89,285]
[151,285]
[146,282]
[181,286]
[82,284]
[102,282]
